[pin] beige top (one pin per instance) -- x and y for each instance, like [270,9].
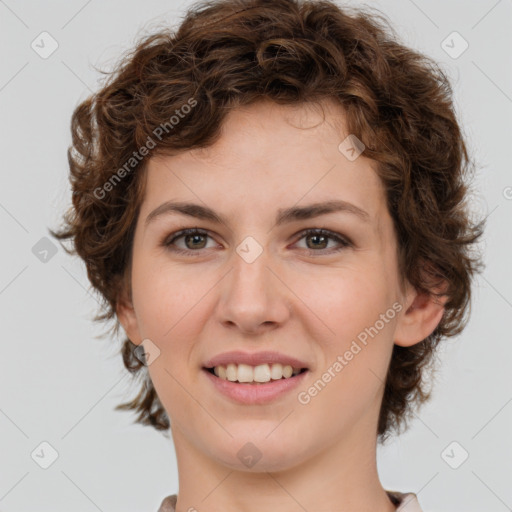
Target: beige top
[407,502]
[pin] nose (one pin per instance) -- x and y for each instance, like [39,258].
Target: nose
[253,296]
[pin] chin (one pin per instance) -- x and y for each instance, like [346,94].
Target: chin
[259,454]
[265,464]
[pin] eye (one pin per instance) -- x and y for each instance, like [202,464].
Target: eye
[321,237]
[194,240]
[191,237]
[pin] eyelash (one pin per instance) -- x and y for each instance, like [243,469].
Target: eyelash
[345,242]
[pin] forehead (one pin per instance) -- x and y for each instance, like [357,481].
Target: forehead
[267,157]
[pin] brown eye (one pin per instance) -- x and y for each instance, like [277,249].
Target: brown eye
[318,240]
[193,239]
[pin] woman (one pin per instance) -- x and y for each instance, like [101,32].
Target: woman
[271,202]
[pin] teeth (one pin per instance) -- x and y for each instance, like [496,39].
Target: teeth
[260,373]
[231,372]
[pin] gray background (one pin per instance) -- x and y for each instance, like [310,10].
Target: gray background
[59,383]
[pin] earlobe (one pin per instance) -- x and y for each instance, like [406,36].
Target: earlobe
[422,314]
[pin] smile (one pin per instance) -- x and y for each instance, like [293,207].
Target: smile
[244,373]
[249,390]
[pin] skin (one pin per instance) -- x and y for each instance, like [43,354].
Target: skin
[299,297]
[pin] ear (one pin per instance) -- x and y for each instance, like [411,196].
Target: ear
[127,317]
[423,312]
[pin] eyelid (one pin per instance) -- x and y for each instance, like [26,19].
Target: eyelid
[175,235]
[344,241]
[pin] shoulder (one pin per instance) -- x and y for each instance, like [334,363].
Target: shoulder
[169,504]
[406,502]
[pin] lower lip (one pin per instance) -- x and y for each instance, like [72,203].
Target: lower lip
[250,393]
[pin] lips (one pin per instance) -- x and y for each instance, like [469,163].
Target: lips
[256,393]
[254,359]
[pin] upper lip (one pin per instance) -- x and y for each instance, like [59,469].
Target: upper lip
[254,359]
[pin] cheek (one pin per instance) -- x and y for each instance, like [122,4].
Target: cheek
[172,310]
[166,298]
[172,315]
[346,300]
[352,303]
[355,358]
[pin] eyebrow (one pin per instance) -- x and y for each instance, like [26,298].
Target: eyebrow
[285,215]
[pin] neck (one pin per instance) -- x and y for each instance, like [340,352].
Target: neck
[342,477]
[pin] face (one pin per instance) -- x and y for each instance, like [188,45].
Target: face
[256,282]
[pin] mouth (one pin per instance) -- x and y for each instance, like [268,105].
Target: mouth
[255,375]
[258,385]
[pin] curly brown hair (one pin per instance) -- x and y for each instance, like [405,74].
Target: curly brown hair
[230,53]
